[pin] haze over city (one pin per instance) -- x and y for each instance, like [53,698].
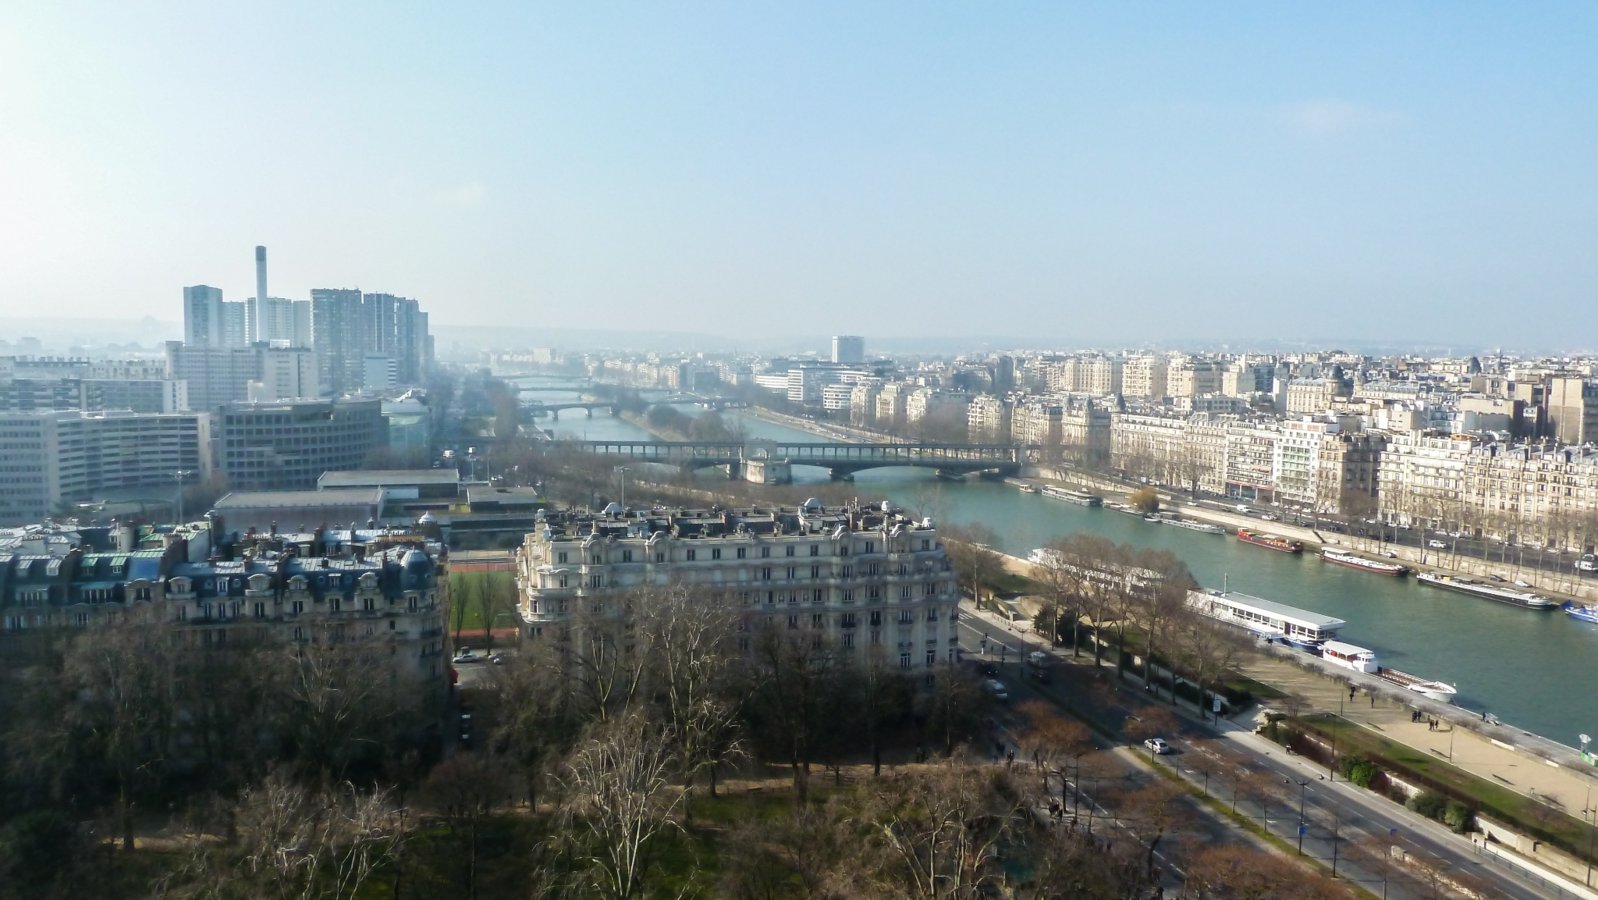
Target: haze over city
[1079,174]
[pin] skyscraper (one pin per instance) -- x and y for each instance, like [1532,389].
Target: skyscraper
[849,349]
[202,316]
[339,338]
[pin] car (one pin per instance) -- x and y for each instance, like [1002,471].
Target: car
[467,656]
[988,668]
[1390,554]
[1497,577]
[1521,582]
[1437,545]
[1587,563]
[499,659]
[998,690]
[1268,517]
[1157,746]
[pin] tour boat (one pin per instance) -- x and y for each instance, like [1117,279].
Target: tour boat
[1344,558]
[1349,656]
[1581,613]
[1269,541]
[1191,525]
[1522,599]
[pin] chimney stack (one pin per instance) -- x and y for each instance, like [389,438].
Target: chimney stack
[260,276]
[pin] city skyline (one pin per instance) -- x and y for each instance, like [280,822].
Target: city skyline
[1367,174]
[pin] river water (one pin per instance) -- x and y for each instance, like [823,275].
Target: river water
[1528,668]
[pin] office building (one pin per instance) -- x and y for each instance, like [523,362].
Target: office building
[857,580]
[202,316]
[51,458]
[848,349]
[257,372]
[288,445]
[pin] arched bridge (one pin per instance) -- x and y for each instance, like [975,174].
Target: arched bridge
[537,408]
[841,460]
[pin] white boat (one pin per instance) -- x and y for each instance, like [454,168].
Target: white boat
[1080,498]
[1522,599]
[1191,525]
[1270,620]
[1436,690]
[1349,656]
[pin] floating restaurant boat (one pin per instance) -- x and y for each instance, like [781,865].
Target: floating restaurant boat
[1522,599]
[1191,525]
[1349,656]
[1344,558]
[1581,613]
[1080,498]
[1272,621]
[1269,541]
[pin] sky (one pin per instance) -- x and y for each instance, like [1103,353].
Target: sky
[1083,174]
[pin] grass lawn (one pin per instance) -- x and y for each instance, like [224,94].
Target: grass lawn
[470,589]
[1488,797]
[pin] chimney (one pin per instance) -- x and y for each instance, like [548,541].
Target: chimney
[260,275]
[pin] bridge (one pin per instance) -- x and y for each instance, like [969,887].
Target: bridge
[842,461]
[538,407]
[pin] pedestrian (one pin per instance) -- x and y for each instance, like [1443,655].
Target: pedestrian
[1484,715]
[1351,692]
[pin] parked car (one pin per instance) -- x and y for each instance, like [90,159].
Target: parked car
[467,656]
[499,659]
[1157,746]
[1587,563]
[1497,577]
[1437,545]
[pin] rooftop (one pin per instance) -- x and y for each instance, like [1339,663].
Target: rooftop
[236,500]
[384,477]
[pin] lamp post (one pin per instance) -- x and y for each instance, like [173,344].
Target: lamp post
[1301,827]
[179,475]
[622,471]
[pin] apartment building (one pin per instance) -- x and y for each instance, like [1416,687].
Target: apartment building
[988,419]
[855,579]
[1144,378]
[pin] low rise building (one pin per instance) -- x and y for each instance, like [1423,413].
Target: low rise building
[277,446]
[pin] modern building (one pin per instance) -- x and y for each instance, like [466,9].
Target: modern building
[288,445]
[258,372]
[346,325]
[848,349]
[854,579]
[202,316]
[1573,409]
[51,458]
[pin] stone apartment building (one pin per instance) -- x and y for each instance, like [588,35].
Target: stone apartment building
[855,578]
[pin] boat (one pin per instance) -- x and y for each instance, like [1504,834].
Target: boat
[1273,622]
[1029,488]
[1353,561]
[1080,498]
[1511,596]
[1269,541]
[1580,613]
[1435,690]
[1191,525]
[1128,509]
[1349,656]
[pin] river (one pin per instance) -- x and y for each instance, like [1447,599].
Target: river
[1528,668]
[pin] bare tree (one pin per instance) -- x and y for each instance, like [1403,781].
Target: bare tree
[943,833]
[691,666]
[1205,650]
[334,702]
[618,794]
[976,563]
[316,842]
[1152,810]
[465,789]
[528,706]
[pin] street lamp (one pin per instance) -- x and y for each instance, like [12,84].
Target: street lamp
[1301,828]
[179,475]
[622,471]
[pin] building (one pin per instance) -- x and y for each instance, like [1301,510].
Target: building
[381,589]
[855,579]
[288,445]
[1191,376]
[988,419]
[255,372]
[848,349]
[303,511]
[51,458]
[202,316]
[1572,409]
[346,325]
[1144,378]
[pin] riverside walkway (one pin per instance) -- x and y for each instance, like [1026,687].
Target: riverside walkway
[1521,761]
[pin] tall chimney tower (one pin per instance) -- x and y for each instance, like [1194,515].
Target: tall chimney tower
[258,328]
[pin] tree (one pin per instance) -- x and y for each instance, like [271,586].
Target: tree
[692,672]
[1205,651]
[529,706]
[333,702]
[464,789]
[976,563]
[1153,811]
[1145,499]
[316,842]
[1163,601]
[943,833]
[618,795]
[125,712]
[1054,739]
[795,683]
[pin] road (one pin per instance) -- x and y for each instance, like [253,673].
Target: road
[1336,815]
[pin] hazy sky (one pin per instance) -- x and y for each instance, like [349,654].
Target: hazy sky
[1104,172]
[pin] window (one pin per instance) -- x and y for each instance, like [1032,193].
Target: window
[876,618]
[904,617]
[815,549]
[563,582]
[791,572]
[926,544]
[715,553]
[871,546]
[848,640]
[369,604]
[790,550]
[765,574]
[815,571]
[765,552]
[742,552]
[594,559]
[932,658]
[660,556]
[816,596]
[816,621]
[297,607]
[932,614]
[560,557]
[904,660]
[692,554]
[260,610]
[626,556]
[793,621]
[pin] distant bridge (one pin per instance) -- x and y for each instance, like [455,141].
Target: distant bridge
[841,460]
[538,408]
